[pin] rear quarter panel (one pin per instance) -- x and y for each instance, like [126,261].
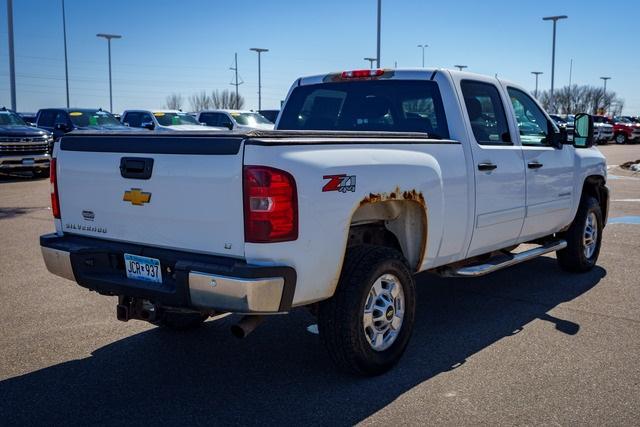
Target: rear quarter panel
[434,170]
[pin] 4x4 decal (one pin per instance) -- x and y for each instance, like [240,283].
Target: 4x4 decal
[341,183]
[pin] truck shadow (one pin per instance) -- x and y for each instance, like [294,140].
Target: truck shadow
[280,374]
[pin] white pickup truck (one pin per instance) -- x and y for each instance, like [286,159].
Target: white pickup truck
[370,177]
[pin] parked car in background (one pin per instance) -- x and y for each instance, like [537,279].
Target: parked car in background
[22,146]
[60,121]
[162,120]
[271,115]
[602,130]
[625,130]
[565,124]
[235,119]
[29,118]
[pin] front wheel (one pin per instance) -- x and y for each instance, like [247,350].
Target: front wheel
[583,237]
[367,324]
[621,138]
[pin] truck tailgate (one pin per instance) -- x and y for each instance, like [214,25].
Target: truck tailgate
[191,201]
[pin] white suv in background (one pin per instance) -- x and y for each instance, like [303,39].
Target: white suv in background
[162,120]
[235,119]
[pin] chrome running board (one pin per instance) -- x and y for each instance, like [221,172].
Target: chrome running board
[503,261]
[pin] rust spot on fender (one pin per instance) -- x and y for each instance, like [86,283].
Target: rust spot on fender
[396,194]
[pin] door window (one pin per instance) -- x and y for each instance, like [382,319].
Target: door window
[46,118]
[225,121]
[532,123]
[133,120]
[61,118]
[486,113]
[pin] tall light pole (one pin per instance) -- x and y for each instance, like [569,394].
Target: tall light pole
[379,22]
[461,67]
[604,93]
[259,50]
[12,63]
[555,20]
[537,73]
[66,65]
[423,46]
[371,61]
[109,37]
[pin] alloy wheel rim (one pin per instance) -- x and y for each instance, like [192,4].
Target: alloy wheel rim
[383,312]
[590,235]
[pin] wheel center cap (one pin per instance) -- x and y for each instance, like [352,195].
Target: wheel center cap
[389,313]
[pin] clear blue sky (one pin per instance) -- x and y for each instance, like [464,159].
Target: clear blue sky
[186,46]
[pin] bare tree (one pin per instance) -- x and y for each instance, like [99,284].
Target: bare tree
[226,99]
[174,101]
[581,99]
[200,101]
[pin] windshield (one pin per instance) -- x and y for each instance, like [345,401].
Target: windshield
[175,119]
[9,118]
[84,118]
[250,119]
[371,105]
[622,120]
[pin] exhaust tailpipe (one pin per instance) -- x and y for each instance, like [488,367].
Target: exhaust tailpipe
[246,325]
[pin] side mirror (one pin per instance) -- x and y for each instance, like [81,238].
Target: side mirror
[229,126]
[583,131]
[148,125]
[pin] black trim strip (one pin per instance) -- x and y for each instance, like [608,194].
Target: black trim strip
[154,144]
[349,141]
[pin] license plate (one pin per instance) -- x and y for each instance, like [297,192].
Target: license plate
[142,268]
[28,161]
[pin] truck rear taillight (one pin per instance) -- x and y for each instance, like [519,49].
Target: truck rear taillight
[270,205]
[355,74]
[55,200]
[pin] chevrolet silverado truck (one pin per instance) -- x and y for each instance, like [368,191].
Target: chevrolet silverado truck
[22,146]
[370,177]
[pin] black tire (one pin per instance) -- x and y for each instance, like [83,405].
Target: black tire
[340,318]
[620,138]
[573,258]
[181,321]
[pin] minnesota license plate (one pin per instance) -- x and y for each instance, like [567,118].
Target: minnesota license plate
[142,268]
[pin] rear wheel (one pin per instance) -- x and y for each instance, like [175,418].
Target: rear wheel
[583,237]
[367,324]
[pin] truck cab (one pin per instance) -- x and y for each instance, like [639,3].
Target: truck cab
[60,121]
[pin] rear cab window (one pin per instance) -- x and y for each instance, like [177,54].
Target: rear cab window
[371,105]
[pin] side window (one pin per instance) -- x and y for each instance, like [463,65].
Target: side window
[61,118]
[132,119]
[486,113]
[210,119]
[145,118]
[225,121]
[532,123]
[46,118]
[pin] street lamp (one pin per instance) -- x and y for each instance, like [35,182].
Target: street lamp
[371,61]
[537,73]
[12,62]
[555,19]
[109,37]
[423,46]
[66,64]
[461,67]
[259,50]
[604,93]
[379,21]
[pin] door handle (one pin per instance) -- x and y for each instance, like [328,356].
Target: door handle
[486,166]
[136,167]
[534,165]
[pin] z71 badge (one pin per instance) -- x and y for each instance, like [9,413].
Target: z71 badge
[341,183]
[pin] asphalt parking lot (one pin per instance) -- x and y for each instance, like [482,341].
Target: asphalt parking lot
[527,345]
